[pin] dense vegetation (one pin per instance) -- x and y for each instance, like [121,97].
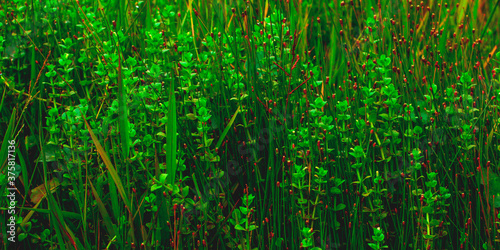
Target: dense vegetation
[250,124]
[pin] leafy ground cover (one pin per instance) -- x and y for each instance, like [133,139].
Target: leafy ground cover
[250,124]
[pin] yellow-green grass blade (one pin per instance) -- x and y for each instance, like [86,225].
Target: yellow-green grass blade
[115,209]
[489,19]
[105,216]
[28,216]
[226,130]
[123,113]
[109,165]
[69,215]
[57,213]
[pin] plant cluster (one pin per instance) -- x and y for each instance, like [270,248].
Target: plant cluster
[252,124]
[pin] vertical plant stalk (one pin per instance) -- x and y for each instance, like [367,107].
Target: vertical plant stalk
[124,133]
[123,125]
[171,136]
[5,143]
[489,19]
[111,169]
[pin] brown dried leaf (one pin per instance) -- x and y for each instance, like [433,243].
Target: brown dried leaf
[39,192]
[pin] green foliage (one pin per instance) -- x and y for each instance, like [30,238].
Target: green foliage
[250,125]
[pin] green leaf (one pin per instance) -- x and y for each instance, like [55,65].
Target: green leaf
[306,232]
[239,227]
[163,178]
[131,61]
[327,120]
[339,207]
[342,106]
[357,152]
[201,103]
[338,181]
[53,112]
[301,201]
[434,88]
[247,200]
[335,190]
[306,242]
[465,78]
[378,238]
[356,165]
[417,130]
[428,209]
[373,246]
[22,236]
[385,61]
[494,186]
[278,242]
[322,172]
[155,187]
[244,210]
[317,83]
[154,71]
[318,103]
